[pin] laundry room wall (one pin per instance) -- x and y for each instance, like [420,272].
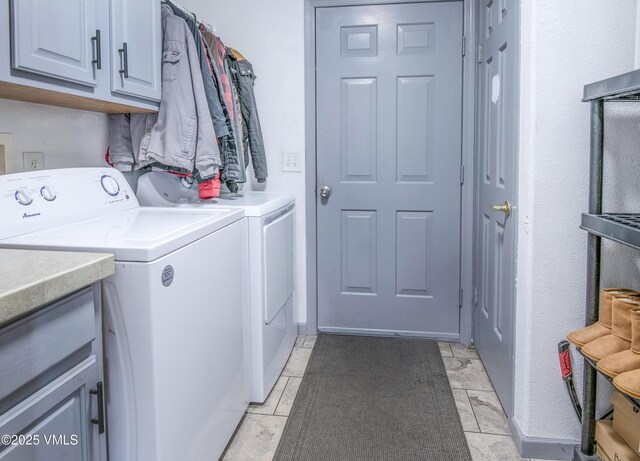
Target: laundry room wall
[67,137]
[270,34]
[565,46]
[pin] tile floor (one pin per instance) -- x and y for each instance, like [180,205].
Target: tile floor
[483,419]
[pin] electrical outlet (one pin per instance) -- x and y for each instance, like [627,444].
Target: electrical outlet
[6,153]
[292,162]
[33,161]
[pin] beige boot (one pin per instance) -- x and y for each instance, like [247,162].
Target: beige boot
[620,338]
[624,361]
[628,383]
[603,326]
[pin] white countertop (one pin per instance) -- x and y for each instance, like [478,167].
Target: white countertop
[30,279]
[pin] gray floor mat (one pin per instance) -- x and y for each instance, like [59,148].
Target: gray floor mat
[366,398]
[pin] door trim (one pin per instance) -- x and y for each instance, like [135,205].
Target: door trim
[467,157]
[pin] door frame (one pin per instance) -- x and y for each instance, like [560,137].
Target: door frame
[467,156]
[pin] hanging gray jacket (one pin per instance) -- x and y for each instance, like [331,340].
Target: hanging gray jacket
[243,78]
[183,139]
[210,85]
[128,135]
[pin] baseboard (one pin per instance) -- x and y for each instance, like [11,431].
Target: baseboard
[540,447]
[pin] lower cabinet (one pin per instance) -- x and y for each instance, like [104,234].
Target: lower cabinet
[51,403]
[55,423]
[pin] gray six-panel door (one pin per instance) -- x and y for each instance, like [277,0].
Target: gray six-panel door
[497,162]
[389,89]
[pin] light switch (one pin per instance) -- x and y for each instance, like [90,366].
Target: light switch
[292,162]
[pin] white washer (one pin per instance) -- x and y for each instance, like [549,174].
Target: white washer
[271,281]
[175,313]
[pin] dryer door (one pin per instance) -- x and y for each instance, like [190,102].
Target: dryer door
[278,243]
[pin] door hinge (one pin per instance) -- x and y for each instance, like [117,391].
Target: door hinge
[462,174]
[464,46]
[479,54]
[461,297]
[475,296]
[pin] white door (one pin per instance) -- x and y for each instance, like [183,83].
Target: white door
[497,128]
[389,98]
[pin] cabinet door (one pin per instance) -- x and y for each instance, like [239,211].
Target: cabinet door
[55,39]
[54,424]
[136,47]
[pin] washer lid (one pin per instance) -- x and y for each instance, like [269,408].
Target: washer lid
[139,235]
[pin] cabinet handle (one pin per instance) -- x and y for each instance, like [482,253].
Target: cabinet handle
[98,50]
[124,60]
[99,393]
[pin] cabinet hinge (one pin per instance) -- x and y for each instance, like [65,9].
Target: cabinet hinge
[461,297]
[462,174]
[479,54]
[464,46]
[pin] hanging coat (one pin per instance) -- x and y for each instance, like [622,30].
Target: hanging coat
[234,163]
[183,137]
[244,77]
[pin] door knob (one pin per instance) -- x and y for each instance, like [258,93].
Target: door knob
[325,192]
[505,208]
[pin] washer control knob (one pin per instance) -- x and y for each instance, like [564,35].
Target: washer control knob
[110,185]
[47,194]
[23,197]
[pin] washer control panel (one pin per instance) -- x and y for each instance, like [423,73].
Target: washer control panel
[36,200]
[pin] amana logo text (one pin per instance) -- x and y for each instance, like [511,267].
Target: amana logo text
[26,215]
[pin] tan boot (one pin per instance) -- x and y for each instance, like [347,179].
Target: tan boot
[628,360]
[620,338]
[628,383]
[603,326]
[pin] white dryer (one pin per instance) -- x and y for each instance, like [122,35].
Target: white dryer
[271,261]
[174,326]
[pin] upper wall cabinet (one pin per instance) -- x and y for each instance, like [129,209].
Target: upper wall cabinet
[87,54]
[136,48]
[65,50]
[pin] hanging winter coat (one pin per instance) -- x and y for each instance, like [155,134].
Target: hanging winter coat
[180,137]
[244,77]
[208,78]
[233,171]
